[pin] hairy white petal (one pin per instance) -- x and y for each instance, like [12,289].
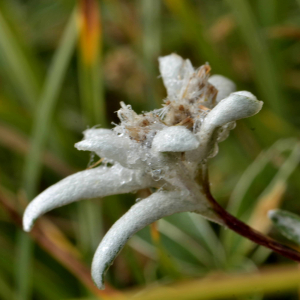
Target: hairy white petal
[106,143]
[97,132]
[98,182]
[224,86]
[246,94]
[175,72]
[143,213]
[236,106]
[175,139]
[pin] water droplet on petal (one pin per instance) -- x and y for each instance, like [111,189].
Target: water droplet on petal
[157,174]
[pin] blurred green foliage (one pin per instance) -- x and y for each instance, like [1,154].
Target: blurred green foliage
[60,73]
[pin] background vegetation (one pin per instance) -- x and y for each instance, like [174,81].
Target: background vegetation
[66,65]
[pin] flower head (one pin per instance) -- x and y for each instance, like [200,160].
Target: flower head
[165,150]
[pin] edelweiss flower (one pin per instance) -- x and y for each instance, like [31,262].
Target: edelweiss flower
[165,150]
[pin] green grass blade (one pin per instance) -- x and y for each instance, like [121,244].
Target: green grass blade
[210,239]
[48,98]
[276,281]
[41,128]
[17,66]
[236,205]
[46,282]
[265,73]
[151,14]
[23,266]
[200,230]
[267,11]
[93,105]
[92,93]
[280,179]
[178,236]
[6,291]
[90,64]
[194,31]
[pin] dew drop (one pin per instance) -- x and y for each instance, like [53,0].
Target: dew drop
[157,174]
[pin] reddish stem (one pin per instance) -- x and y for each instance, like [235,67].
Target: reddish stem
[244,230]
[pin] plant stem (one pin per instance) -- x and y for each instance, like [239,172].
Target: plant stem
[243,229]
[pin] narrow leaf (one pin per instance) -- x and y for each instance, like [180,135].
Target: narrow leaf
[265,72]
[41,126]
[287,223]
[47,103]
[17,66]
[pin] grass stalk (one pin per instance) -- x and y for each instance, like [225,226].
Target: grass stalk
[273,281]
[47,101]
[265,72]
[194,31]
[41,128]
[17,66]
[151,14]
[93,105]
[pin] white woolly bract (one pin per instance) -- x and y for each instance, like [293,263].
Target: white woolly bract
[175,139]
[141,214]
[224,86]
[236,106]
[99,182]
[175,72]
[106,143]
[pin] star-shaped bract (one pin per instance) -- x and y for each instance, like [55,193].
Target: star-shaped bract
[163,150]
